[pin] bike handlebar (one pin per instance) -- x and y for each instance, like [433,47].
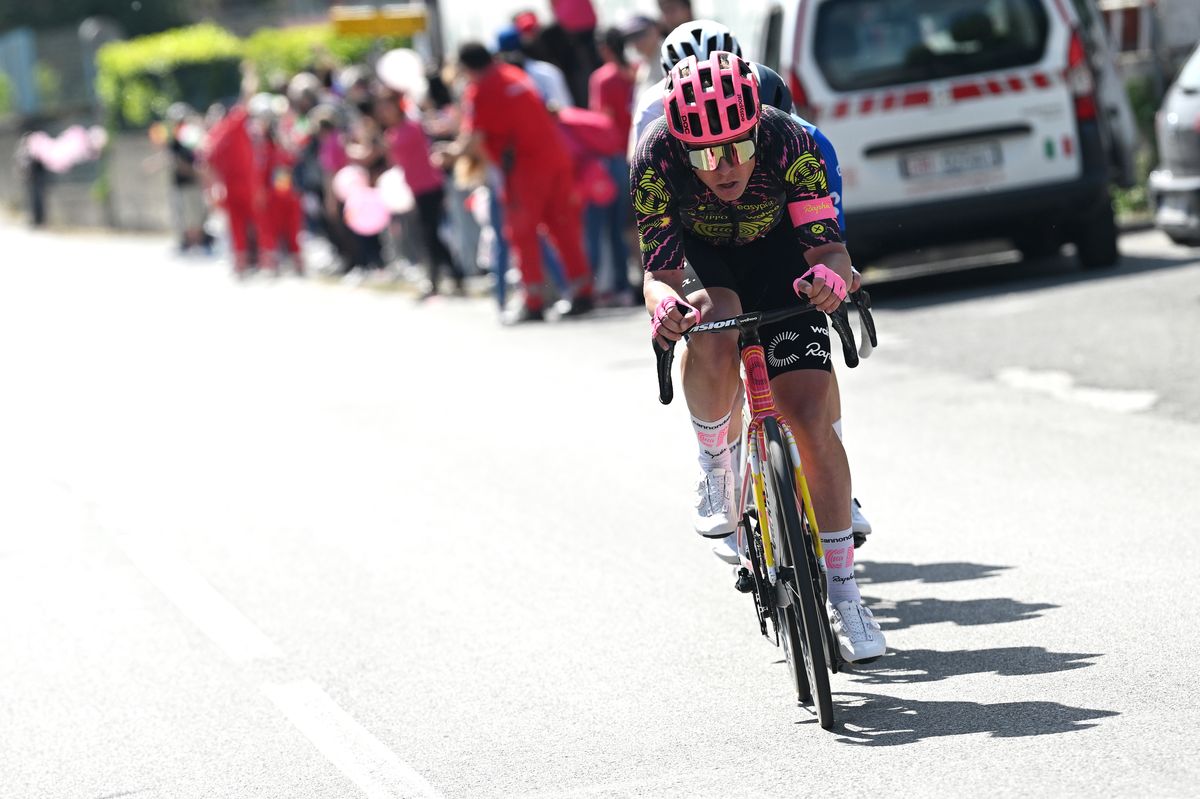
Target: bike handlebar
[840,320]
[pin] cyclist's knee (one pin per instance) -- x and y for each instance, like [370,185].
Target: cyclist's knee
[713,351]
[802,398]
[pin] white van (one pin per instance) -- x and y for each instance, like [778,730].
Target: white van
[962,119]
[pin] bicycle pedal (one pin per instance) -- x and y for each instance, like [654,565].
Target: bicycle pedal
[745,583]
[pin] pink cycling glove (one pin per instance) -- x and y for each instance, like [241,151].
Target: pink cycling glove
[831,278]
[665,305]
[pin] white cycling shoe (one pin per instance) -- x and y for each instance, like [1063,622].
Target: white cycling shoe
[714,504]
[857,632]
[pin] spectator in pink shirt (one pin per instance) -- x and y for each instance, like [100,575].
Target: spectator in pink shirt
[408,148]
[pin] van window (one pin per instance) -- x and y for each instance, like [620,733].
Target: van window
[1189,77]
[866,44]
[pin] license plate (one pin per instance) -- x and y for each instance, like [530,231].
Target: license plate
[950,160]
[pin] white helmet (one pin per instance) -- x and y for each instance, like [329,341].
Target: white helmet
[699,37]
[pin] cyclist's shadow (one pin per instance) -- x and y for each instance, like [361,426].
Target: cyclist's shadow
[874,720]
[901,666]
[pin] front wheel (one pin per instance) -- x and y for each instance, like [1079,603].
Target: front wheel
[802,617]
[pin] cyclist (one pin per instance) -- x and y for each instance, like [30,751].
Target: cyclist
[712,184]
[700,37]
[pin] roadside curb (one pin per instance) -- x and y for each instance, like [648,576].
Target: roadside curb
[1135,224]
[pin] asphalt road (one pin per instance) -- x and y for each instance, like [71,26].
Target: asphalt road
[288,539]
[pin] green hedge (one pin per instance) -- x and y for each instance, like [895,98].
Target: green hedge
[7,95]
[138,79]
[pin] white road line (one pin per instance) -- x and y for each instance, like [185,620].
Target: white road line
[363,758]
[1061,385]
[200,602]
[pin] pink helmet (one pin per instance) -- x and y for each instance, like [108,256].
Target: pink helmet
[711,101]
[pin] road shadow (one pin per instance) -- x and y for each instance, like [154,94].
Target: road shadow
[896,287]
[928,665]
[873,720]
[963,612]
[952,572]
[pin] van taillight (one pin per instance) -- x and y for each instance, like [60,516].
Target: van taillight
[1080,79]
[800,103]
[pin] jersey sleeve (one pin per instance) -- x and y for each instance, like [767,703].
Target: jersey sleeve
[810,206]
[654,210]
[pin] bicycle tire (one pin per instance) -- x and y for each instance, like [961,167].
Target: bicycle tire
[802,615]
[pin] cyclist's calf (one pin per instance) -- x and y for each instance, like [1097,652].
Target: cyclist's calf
[710,365]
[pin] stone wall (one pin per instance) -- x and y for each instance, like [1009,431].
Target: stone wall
[139,198]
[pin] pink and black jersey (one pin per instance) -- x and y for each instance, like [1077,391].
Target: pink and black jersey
[788,180]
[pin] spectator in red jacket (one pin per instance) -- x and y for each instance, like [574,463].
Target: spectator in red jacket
[504,117]
[278,214]
[230,154]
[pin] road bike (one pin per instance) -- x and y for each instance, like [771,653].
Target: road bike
[783,564]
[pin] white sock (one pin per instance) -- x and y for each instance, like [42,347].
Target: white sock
[713,438]
[839,566]
[837,429]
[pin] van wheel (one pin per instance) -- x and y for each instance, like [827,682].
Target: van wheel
[1096,236]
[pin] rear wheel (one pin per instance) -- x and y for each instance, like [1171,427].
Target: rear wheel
[802,617]
[1096,236]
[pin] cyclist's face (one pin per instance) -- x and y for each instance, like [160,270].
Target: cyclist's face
[727,181]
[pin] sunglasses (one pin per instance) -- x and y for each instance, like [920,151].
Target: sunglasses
[706,159]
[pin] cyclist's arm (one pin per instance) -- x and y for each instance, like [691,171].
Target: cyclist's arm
[810,206]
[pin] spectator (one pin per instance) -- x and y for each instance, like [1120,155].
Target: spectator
[674,13]
[277,206]
[230,154]
[549,79]
[408,148]
[187,196]
[577,18]
[505,118]
[610,91]
[553,45]
[366,148]
[644,37]
[35,175]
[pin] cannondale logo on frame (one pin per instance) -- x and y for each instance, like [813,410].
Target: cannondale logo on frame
[787,360]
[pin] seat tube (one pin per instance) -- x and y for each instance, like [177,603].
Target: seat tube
[758,384]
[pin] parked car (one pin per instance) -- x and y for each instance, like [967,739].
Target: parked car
[1175,185]
[963,119]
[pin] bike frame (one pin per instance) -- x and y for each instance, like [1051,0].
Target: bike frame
[761,402]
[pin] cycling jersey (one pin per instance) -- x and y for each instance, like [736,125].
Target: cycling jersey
[772,91]
[789,178]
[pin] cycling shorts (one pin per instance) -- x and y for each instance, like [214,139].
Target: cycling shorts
[761,274]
